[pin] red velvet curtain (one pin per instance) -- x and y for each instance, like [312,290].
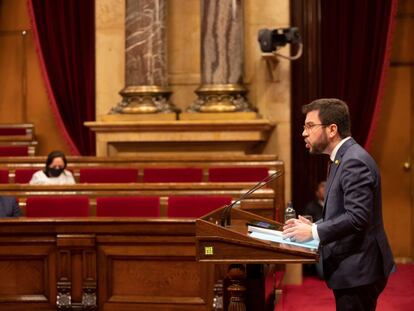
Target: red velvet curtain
[355,52]
[346,53]
[65,40]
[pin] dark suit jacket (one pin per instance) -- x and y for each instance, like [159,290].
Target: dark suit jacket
[9,207]
[354,247]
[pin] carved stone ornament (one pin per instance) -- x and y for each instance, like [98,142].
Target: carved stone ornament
[237,293]
[89,299]
[218,296]
[63,299]
[144,100]
[221,98]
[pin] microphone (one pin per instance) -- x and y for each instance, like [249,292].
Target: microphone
[225,216]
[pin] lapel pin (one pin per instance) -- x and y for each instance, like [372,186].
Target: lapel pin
[337,162]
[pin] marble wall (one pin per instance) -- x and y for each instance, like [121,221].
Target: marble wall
[222,36]
[269,90]
[145,43]
[110,53]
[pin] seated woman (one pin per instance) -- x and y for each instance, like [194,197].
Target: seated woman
[54,172]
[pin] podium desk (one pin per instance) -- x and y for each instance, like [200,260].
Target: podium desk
[232,244]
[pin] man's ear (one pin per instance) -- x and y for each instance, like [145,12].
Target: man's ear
[333,130]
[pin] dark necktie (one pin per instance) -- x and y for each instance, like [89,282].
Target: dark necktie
[327,185]
[329,168]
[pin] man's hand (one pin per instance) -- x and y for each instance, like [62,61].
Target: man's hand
[305,220]
[299,230]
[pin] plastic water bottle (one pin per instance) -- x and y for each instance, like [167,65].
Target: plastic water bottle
[289,212]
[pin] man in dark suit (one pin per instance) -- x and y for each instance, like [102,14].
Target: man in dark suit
[354,250]
[314,208]
[9,207]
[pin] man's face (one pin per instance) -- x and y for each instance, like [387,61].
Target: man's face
[314,133]
[320,192]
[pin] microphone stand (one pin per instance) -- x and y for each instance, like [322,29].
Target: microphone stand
[225,216]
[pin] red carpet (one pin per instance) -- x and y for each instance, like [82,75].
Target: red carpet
[314,295]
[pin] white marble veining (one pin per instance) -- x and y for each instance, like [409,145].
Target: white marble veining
[222,41]
[145,43]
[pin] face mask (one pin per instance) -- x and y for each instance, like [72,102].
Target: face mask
[55,172]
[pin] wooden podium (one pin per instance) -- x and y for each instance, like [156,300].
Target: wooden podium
[232,244]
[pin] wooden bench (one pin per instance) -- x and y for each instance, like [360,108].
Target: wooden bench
[261,202]
[17,148]
[255,160]
[205,162]
[16,132]
[17,140]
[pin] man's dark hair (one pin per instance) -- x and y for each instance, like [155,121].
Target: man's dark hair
[53,155]
[332,111]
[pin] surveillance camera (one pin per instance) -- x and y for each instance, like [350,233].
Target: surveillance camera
[271,40]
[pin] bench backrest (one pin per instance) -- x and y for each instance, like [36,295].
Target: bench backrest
[261,202]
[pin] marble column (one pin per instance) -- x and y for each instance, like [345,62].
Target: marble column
[222,52]
[146,87]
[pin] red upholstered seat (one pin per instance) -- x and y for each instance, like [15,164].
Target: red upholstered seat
[108,175]
[4,176]
[14,151]
[194,206]
[182,174]
[23,175]
[57,206]
[237,174]
[133,206]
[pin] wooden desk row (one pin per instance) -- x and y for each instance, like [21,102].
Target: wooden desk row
[268,160]
[158,161]
[14,132]
[261,202]
[102,264]
[17,140]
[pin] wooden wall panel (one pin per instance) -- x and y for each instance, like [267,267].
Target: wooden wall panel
[11,64]
[390,149]
[27,274]
[23,93]
[393,146]
[123,264]
[151,283]
[160,271]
